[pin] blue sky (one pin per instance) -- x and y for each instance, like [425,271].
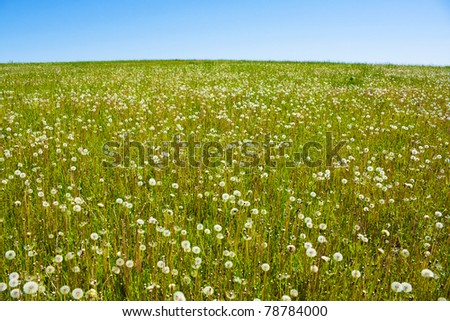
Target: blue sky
[374,31]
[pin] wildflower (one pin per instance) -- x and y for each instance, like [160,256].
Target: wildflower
[120,262]
[94,236]
[337,257]
[15,293]
[314,268]
[152,182]
[64,290]
[311,252]
[30,287]
[285,298]
[208,291]
[293,293]
[77,293]
[13,276]
[356,274]
[426,273]
[265,267]
[13,283]
[406,287]
[228,264]
[405,253]
[3,287]
[179,296]
[129,264]
[397,287]
[10,255]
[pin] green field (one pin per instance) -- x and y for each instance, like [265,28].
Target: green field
[99,201]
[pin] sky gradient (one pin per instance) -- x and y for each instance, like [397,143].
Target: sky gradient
[373,31]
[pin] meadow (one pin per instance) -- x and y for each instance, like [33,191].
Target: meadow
[100,202]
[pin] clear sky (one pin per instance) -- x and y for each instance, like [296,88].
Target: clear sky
[374,31]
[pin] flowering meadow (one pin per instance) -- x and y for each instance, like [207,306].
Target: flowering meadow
[208,180]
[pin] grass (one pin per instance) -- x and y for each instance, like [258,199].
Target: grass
[385,208]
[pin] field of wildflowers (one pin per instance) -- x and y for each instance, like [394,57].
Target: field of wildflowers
[207,180]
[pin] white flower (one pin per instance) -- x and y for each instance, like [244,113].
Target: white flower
[337,257]
[208,291]
[77,293]
[407,287]
[217,228]
[10,255]
[293,293]
[427,273]
[152,182]
[311,252]
[94,236]
[265,267]
[15,293]
[397,287]
[285,298]
[405,253]
[179,296]
[120,262]
[314,268]
[129,264]
[3,287]
[14,275]
[356,274]
[228,264]
[30,287]
[13,283]
[64,290]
